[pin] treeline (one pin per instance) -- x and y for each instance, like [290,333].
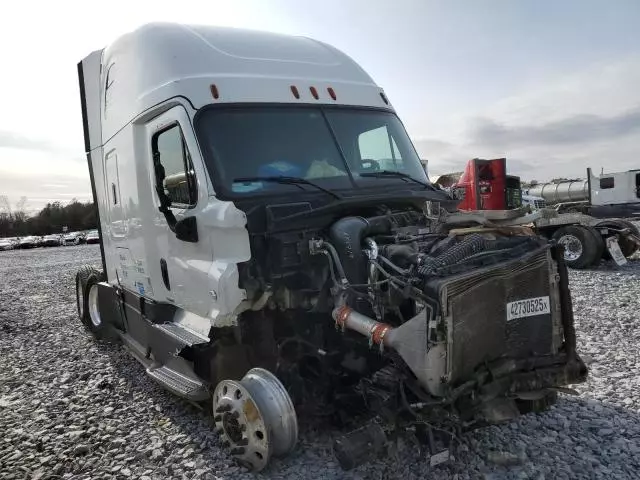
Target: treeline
[51,219]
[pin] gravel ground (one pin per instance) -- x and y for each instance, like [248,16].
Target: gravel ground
[74,408]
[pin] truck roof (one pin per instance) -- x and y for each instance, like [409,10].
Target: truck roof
[159,61]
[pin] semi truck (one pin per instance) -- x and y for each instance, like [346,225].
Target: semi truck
[485,185]
[272,249]
[606,196]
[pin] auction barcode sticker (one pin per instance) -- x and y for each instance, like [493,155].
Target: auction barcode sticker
[528,307]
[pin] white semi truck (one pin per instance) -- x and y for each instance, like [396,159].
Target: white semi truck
[272,248]
[609,195]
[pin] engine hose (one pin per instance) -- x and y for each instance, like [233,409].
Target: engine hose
[347,235]
[336,259]
[394,267]
[347,318]
[405,402]
[471,245]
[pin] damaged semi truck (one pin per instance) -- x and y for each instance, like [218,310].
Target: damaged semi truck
[272,248]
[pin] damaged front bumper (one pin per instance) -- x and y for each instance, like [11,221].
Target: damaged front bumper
[497,392]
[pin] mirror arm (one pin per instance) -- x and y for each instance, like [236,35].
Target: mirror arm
[185,229]
[165,201]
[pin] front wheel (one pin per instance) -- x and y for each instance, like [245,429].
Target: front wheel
[581,249]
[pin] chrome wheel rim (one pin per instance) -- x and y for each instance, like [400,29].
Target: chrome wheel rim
[94,312]
[572,247]
[255,418]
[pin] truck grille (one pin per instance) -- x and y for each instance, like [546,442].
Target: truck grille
[539,203]
[477,303]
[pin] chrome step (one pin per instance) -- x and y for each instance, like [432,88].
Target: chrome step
[178,383]
[182,334]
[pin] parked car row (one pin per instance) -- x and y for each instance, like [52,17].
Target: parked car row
[8,243]
[54,240]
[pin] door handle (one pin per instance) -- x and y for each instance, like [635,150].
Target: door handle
[165,273]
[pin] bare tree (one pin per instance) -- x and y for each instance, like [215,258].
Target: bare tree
[5,206]
[21,204]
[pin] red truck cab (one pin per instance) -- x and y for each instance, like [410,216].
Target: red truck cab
[485,185]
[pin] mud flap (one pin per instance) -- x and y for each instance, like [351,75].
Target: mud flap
[613,247]
[110,307]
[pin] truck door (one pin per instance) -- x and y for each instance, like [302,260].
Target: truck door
[177,170]
[116,220]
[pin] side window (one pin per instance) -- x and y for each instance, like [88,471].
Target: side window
[606,182]
[378,150]
[177,174]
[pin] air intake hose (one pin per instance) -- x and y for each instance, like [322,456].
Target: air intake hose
[471,245]
[347,235]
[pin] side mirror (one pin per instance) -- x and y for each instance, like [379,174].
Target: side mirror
[369,165]
[187,230]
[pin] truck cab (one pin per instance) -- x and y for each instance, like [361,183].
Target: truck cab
[533,202]
[177,151]
[485,185]
[271,245]
[614,194]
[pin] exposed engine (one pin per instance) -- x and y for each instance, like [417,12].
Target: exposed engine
[414,316]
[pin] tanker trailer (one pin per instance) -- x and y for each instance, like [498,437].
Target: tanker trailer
[485,185]
[605,196]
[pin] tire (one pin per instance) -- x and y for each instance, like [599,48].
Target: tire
[96,324]
[581,247]
[86,278]
[627,246]
[599,242]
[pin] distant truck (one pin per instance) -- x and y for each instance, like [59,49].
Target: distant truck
[485,185]
[271,245]
[533,202]
[605,196]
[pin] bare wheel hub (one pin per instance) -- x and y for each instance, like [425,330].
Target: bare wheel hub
[255,418]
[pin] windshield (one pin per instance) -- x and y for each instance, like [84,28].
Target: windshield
[330,146]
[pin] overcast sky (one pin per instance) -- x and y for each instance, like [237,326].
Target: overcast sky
[552,85]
